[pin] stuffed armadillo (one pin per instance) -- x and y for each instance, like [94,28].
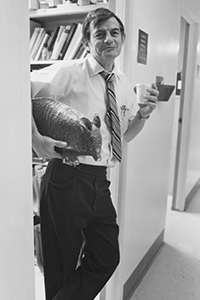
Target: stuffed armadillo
[64,123]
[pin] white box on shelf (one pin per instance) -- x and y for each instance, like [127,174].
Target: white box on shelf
[83,2]
[53,3]
[34,4]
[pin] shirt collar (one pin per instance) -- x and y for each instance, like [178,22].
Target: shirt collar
[95,68]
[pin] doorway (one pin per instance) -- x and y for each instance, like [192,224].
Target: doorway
[184,100]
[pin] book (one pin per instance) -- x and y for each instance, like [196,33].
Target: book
[79,52]
[33,37]
[68,40]
[33,25]
[61,38]
[75,43]
[57,40]
[39,52]
[37,43]
[84,53]
[53,38]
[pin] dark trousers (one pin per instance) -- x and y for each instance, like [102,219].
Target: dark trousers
[76,206]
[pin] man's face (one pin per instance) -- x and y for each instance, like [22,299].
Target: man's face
[106,41]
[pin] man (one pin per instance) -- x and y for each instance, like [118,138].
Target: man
[75,200]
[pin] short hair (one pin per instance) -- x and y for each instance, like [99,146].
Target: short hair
[97,17]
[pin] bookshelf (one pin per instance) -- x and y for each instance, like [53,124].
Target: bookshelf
[46,22]
[43,23]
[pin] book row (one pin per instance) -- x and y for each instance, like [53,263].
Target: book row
[62,43]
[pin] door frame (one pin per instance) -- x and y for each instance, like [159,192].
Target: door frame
[114,288]
[186,103]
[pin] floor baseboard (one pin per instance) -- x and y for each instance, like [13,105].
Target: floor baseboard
[137,275]
[191,194]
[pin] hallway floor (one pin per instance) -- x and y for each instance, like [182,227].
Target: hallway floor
[175,273]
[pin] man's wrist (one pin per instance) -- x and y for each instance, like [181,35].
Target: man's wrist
[141,117]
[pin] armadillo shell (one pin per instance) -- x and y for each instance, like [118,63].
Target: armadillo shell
[61,122]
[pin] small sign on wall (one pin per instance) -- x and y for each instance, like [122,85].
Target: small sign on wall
[142,47]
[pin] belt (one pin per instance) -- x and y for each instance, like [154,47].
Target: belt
[93,169]
[97,170]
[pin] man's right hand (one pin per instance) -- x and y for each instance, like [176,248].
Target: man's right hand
[45,147]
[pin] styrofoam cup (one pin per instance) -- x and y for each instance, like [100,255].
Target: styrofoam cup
[141,91]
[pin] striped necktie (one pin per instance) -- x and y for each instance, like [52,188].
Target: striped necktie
[112,117]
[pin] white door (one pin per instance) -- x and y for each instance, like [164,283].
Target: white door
[190,30]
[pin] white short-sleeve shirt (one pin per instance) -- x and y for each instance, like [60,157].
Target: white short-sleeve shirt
[78,84]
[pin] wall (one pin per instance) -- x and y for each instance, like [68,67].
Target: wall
[148,156]
[16,231]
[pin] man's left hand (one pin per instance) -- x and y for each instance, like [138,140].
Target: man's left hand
[151,101]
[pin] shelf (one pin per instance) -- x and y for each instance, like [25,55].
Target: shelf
[62,10]
[38,64]
[62,15]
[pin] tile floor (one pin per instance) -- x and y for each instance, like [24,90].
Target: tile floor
[175,273]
